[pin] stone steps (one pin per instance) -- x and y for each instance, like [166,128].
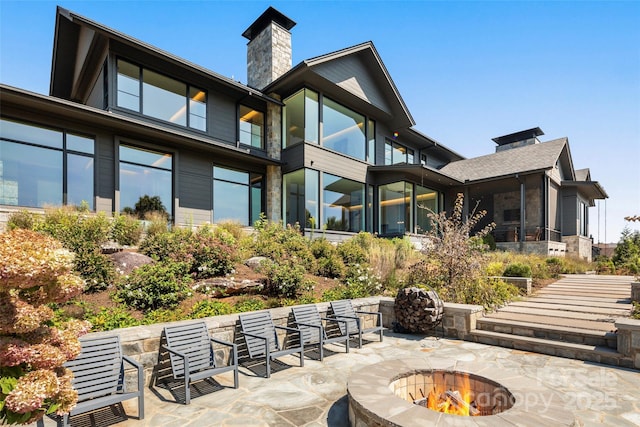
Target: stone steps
[567,334]
[573,317]
[592,353]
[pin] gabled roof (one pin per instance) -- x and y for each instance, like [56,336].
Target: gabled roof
[76,35]
[371,90]
[527,159]
[583,174]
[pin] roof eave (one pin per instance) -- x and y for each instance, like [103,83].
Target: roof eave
[123,38]
[47,104]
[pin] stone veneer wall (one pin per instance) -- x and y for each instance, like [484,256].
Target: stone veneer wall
[268,56]
[142,343]
[579,246]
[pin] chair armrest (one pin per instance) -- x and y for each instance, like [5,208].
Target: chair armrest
[333,319]
[296,330]
[347,317]
[373,313]
[140,370]
[368,312]
[308,324]
[176,352]
[222,342]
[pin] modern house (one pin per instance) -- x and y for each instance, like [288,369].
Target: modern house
[328,143]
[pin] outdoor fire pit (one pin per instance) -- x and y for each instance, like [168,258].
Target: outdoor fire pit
[413,392]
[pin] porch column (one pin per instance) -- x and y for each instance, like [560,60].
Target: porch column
[523,215]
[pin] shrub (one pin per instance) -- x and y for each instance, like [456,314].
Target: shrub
[111,318]
[626,256]
[153,286]
[322,248]
[156,223]
[126,230]
[490,293]
[203,252]
[209,308]
[635,311]
[82,234]
[274,241]
[554,264]
[331,266]
[35,270]
[605,265]
[494,268]
[249,304]
[361,281]
[22,219]
[96,268]
[164,315]
[460,258]
[284,278]
[517,270]
[352,252]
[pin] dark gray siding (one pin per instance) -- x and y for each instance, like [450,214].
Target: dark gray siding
[569,213]
[194,182]
[351,74]
[293,158]
[222,117]
[105,171]
[327,161]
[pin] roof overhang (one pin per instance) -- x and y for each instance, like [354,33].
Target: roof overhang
[417,172]
[14,99]
[589,189]
[65,50]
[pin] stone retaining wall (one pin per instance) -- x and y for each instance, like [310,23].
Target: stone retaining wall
[143,343]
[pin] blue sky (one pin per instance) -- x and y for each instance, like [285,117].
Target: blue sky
[468,71]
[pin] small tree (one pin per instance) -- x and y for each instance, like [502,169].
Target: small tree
[458,256]
[627,253]
[35,270]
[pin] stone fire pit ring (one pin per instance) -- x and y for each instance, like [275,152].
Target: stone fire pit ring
[372,402]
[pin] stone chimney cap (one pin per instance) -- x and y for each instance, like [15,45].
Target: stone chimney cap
[270,15]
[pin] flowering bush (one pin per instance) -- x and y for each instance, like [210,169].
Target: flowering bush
[285,278]
[35,270]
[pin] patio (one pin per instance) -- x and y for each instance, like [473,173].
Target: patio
[315,395]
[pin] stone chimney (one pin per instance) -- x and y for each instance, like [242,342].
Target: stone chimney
[518,139]
[269,48]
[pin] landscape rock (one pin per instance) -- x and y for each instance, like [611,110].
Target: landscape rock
[126,262]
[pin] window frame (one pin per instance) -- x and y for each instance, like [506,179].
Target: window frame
[65,153]
[141,82]
[263,127]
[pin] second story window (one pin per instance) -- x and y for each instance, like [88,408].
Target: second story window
[251,127]
[159,96]
[395,153]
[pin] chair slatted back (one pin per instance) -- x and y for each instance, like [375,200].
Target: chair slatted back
[308,314]
[98,370]
[259,323]
[193,341]
[344,308]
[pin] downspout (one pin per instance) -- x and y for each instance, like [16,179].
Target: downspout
[547,202]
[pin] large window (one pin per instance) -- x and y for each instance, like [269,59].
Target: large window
[395,153]
[301,198]
[145,173]
[300,121]
[343,130]
[251,127]
[426,202]
[396,207]
[159,96]
[343,204]
[237,196]
[42,166]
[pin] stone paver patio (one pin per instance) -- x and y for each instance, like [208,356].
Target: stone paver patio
[315,395]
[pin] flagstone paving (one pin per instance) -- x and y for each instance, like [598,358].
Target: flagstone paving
[315,395]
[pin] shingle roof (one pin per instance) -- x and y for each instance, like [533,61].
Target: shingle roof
[516,160]
[583,174]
